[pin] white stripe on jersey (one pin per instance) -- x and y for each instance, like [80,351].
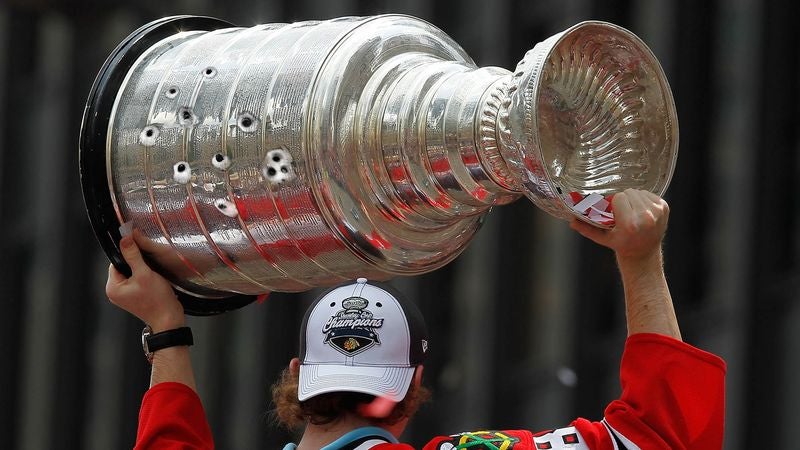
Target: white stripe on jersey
[562,438]
[616,436]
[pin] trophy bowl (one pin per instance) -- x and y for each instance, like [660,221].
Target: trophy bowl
[591,114]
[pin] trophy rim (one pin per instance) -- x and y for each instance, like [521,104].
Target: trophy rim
[93,172]
[560,202]
[655,64]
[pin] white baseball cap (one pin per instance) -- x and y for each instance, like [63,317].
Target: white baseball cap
[361,337]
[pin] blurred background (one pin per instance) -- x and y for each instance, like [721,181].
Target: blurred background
[527,326]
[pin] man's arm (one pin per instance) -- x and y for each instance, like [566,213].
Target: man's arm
[148,296]
[171,416]
[641,221]
[672,393]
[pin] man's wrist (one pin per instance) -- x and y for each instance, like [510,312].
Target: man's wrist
[169,322]
[169,354]
[646,261]
[166,326]
[154,342]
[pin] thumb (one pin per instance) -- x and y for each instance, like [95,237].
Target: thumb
[116,284]
[132,255]
[114,276]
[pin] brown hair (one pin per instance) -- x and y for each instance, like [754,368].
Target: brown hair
[326,408]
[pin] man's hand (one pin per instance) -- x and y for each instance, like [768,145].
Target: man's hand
[641,220]
[146,294]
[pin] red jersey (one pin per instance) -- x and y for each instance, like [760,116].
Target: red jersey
[672,398]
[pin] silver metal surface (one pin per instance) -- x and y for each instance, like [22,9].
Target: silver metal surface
[590,112]
[287,156]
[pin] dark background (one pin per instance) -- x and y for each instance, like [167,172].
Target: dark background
[527,325]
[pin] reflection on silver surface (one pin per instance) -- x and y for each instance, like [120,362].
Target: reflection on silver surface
[317,152]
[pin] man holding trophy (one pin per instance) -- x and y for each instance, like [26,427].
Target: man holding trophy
[672,393]
[288,156]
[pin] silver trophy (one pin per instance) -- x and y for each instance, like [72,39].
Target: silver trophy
[284,157]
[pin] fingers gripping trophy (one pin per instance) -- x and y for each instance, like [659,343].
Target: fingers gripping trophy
[283,157]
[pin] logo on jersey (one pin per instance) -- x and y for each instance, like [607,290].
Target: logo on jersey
[480,440]
[352,329]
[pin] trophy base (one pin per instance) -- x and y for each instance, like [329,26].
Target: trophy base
[92,151]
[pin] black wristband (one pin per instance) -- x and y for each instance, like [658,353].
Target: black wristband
[152,343]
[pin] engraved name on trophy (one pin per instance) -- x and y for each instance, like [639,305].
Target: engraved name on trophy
[283,157]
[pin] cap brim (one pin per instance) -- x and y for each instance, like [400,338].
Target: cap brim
[388,382]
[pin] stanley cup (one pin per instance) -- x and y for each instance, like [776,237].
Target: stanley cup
[284,157]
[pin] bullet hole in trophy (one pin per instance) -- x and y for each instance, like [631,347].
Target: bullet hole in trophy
[148,135]
[210,72]
[172,92]
[181,172]
[379,304]
[186,117]
[278,166]
[333,304]
[247,122]
[226,207]
[221,162]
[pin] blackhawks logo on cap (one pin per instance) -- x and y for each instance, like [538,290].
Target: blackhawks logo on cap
[352,329]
